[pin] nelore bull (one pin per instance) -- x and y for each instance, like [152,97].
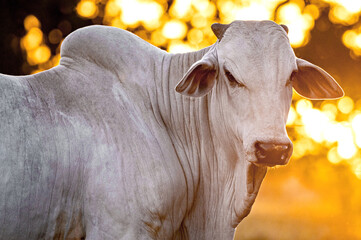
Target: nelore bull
[125,141]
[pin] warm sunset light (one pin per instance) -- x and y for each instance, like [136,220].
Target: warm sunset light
[320,125]
[41,54]
[87,9]
[255,10]
[324,133]
[299,23]
[32,39]
[135,12]
[31,22]
[175,29]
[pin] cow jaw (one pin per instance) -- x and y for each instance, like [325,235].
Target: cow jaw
[249,177]
[254,177]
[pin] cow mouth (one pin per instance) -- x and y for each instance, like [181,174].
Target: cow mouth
[255,176]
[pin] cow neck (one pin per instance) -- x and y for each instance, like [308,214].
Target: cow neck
[181,115]
[187,122]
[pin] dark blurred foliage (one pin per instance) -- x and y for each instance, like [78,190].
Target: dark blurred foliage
[51,13]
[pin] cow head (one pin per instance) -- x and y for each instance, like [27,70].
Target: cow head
[249,74]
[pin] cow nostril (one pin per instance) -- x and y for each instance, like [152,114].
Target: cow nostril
[268,147]
[261,150]
[272,153]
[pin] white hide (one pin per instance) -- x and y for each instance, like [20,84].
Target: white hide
[103,147]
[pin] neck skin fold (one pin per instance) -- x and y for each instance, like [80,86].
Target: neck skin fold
[209,169]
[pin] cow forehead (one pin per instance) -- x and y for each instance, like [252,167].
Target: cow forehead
[258,33]
[257,48]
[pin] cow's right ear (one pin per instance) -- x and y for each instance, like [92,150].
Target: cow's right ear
[201,76]
[313,82]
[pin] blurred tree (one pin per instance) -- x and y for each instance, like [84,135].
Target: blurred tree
[52,14]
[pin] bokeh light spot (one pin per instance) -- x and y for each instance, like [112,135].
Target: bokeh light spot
[346,149]
[41,54]
[312,10]
[298,23]
[178,46]
[135,12]
[175,29]
[195,36]
[31,22]
[357,171]
[356,126]
[339,14]
[55,36]
[345,105]
[87,9]
[330,110]
[111,9]
[181,9]
[157,38]
[303,105]
[333,156]
[32,39]
[198,21]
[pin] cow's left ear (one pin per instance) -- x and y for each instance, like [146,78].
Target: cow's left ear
[313,82]
[201,76]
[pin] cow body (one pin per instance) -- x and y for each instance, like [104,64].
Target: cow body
[87,149]
[102,147]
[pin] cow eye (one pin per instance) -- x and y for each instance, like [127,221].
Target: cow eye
[290,79]
[233,80]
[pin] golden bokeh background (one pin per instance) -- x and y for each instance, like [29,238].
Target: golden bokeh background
[318,195]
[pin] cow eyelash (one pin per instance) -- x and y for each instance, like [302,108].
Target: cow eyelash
[233,80]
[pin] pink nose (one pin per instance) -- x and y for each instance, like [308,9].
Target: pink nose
[271,154]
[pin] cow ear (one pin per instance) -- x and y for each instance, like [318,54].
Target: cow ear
[313,82]
[200,78]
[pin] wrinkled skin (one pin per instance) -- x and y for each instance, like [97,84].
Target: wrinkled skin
[125,141]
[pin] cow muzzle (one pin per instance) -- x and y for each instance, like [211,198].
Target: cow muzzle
[271,154]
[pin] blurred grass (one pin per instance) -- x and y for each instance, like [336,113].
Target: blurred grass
[292,206]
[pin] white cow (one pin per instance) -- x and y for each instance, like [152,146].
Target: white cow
[125,141]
